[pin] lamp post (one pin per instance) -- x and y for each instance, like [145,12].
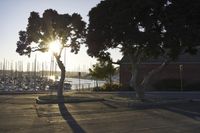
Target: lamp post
[181,76]
[79,77]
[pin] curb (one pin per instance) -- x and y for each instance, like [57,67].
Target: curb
[131,104]
[72,100]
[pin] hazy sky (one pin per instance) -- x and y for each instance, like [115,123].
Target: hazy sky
[14,17]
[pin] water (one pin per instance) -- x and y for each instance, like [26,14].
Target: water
[84,83]
[80,84]
[76,84]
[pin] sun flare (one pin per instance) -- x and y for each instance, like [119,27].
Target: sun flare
[54,46]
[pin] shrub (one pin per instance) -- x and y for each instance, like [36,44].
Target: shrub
[96,89]
[113,87]
[110,87]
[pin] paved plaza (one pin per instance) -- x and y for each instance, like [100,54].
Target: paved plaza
[20,114]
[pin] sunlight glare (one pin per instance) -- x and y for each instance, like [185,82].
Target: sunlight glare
[54,46]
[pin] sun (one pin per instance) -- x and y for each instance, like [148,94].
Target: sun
[55,46]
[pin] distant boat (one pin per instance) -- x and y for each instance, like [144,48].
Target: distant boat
[67,86]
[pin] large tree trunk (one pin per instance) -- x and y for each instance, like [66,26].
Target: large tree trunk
[62,77]
[110,79]
[135,62]
[97,85]
[145,82]
[134,81]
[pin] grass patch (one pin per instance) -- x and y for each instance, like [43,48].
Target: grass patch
[53,99]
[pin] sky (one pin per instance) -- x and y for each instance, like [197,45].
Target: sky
[14,17]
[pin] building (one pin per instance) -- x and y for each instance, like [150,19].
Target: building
[183,73]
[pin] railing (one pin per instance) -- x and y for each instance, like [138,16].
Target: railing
[85,86]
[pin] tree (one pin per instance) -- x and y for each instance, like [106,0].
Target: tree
[144,30]
[109,70]
[52,30]
[102,70]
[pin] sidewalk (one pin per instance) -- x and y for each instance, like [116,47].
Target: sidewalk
[128,99]
[19,113]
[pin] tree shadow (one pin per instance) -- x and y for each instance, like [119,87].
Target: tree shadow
[76,128]
[188,109]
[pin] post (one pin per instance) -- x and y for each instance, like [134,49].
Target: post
[181,76]
[35,63]
[79,77]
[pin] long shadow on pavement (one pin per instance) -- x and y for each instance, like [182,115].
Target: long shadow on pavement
[189,109]
[70,119]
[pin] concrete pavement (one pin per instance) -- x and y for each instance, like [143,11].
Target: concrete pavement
[20,114]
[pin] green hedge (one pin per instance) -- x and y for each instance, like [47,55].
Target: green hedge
[112,87]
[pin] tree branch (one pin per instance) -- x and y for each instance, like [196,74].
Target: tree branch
[39,49]
[66,46]
[119,47]
[116,63]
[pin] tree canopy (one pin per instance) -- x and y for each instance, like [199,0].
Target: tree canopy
[149,27]
[102,70]
[68,29]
